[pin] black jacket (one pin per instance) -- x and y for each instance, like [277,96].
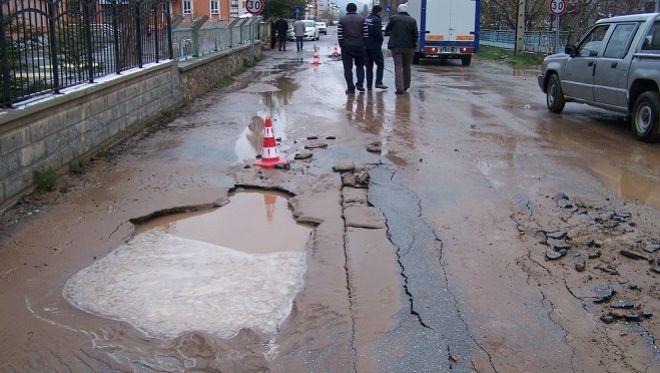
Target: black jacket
[375,31]
[403,31]
[282,26]
[351,30]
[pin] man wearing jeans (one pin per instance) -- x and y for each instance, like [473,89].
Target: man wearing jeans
[299,31]
[351,33]
[403,33]
[374,48]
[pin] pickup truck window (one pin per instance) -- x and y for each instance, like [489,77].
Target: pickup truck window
[652,40]
[617,46]
[593,42]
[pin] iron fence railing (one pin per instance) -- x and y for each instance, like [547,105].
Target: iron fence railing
[209,38]
[47,45]
[533,41]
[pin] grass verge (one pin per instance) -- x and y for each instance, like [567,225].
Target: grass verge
[506,55]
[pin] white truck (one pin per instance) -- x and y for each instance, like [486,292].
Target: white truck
[447,28]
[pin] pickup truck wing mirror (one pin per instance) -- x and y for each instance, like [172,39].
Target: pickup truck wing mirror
[570,50]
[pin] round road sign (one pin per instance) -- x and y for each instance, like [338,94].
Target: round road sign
[557,7]
[255,6]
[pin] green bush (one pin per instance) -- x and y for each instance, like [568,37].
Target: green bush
[45,179]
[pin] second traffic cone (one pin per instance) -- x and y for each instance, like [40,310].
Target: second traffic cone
[270,157]
[316,61]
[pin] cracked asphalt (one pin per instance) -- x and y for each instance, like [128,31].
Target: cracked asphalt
[436,263]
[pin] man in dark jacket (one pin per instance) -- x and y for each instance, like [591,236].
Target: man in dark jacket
[351,32]
[374,48]
[404,33]
[282,27]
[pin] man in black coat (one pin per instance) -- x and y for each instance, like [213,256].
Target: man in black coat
[282,27]
[374,48]
[351,32]
[404,34]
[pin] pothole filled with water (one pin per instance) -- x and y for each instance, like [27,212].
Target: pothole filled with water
[238,266]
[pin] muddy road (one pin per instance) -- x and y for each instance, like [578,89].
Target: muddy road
[458,227]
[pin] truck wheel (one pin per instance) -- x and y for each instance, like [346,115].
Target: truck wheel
[645,116]
[465,60]
[554,95]
[416,59]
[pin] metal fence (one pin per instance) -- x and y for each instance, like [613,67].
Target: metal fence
[210,37]
[533,41]
[48,45]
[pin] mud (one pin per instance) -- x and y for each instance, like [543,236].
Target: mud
[457,279]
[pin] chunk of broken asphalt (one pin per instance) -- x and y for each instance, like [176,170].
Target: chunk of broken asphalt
[622,303]
[603,293]
[651,248]
[607,319]
[316,145]
[580,264]
[551,254]
[375,147]
[303,154]
[343,167]
[558,234]
[633,255]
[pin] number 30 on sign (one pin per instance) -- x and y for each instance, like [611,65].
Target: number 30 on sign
[255,6]
[557,7]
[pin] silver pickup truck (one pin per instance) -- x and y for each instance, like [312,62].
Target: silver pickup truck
[616,66]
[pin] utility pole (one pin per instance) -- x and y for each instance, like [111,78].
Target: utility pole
[520,29]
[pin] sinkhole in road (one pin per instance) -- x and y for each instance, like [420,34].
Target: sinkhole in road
[234,267]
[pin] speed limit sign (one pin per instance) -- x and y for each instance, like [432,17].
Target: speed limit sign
[256,6]
[557,7]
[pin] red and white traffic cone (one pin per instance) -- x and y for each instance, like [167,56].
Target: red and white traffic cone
[315,60]
[269,155]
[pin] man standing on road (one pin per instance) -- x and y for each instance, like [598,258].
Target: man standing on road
[404,33]
[282,26]
[351,33]
[374,48]
[299,30]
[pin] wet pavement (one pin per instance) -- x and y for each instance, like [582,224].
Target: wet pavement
[170,252]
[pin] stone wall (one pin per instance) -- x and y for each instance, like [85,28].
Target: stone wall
[201,74]
[84,120]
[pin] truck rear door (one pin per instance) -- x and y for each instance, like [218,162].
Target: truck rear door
[448,20]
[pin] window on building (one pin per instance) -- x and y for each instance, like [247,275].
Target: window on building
[215,6]
[187,6]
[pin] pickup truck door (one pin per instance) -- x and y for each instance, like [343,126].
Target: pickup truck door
[578,81]
[611,73]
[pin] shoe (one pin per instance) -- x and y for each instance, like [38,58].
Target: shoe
[350,92]
[399,92]
[381,86]
[369,88]
[361,89]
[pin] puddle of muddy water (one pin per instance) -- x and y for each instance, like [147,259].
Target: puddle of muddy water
[220,271]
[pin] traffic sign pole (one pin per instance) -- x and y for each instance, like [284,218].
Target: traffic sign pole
[557,8]
[557,35]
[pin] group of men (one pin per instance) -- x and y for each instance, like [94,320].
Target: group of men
[281,28]
[361,41]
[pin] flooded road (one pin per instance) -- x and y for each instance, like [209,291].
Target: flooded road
[415,237]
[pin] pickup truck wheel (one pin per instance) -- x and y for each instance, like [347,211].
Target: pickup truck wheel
[645,116]
[554,95]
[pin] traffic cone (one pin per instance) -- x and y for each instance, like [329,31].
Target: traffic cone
[316,61]
[269,155]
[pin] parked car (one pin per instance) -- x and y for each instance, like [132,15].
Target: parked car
[323,29]
[615,66]
[311,31]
